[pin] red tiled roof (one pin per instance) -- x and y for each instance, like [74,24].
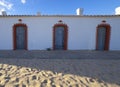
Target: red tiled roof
[59,15]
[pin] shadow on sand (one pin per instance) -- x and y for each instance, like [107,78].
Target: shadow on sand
[93,64]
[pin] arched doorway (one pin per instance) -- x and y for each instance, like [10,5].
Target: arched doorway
[103,36]
[20,37]
[60,36]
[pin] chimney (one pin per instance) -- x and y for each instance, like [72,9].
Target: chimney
[4,13]
[38,14]
[79,11]
[117,11]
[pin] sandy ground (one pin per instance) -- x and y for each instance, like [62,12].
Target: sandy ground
[16,72]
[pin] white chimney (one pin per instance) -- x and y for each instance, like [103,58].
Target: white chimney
[38,14]
[4,13]
[117,11]
[79,11]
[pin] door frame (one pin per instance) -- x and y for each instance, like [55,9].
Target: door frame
[107,36]
[65,34]
[14,35]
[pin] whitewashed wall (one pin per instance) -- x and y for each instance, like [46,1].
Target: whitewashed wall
[81,31]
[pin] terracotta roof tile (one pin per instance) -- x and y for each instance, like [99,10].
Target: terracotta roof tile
[59,15]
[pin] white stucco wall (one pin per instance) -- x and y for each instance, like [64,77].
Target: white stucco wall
[81,31]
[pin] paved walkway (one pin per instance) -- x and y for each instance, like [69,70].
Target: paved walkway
[78,54]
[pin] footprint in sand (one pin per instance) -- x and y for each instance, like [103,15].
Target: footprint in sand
[0,74]
[44,83]
[17,79]
[34,77]
[91,80]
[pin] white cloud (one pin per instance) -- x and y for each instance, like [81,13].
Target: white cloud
[23,1]
[117,11]
[6,4]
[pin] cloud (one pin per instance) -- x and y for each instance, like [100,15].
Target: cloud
[23,1]
[117,11]
[6,4]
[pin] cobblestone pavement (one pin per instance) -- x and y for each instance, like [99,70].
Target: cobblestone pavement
[71,54]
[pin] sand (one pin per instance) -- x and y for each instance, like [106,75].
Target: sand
[59,72]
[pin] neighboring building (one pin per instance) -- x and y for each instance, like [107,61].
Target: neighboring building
[67,32]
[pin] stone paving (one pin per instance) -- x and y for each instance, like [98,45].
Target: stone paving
[71,54]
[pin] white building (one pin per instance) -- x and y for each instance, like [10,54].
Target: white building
[67,32]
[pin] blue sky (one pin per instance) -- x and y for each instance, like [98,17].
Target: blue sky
[62,7]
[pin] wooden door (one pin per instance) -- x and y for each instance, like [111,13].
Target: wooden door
[59,38]
[101,38]
[20,37]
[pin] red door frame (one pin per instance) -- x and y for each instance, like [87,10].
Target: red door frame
[65,34]
[107,37]
[14,35]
